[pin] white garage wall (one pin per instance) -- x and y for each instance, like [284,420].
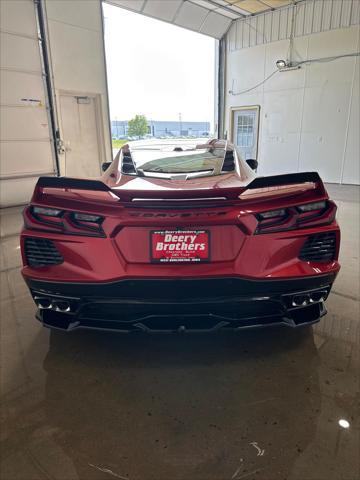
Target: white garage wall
[25,144]
[309,118]
[76,45]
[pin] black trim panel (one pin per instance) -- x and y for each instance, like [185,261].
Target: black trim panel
[182,289]
[76,183]
[181,305]
[289,178]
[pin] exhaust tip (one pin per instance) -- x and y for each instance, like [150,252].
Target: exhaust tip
[316,297]
[61,306]
[300,300]
[43,303]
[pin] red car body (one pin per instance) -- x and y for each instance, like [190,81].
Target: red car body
[140,251]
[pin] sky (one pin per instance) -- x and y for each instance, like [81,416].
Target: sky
[156,69]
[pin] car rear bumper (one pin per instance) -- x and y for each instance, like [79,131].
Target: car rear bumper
[196,305]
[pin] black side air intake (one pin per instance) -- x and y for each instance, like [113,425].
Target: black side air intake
[40,252]
[229,162]
[320,247]
[128,166]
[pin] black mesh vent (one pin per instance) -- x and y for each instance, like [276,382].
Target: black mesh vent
[319,248]
[40,252]
[128,164]
[229,162]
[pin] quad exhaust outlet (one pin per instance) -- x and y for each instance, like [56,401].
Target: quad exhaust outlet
[44,303]
[303,299]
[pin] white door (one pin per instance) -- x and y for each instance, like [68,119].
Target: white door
[80,136]
[245,124]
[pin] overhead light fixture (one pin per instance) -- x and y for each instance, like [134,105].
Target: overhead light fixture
[284,66]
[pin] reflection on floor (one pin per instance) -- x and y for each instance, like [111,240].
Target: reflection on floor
[263,405]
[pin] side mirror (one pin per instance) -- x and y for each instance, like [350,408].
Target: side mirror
[253,164]
[105,166]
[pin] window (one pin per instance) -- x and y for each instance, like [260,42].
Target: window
[245,125]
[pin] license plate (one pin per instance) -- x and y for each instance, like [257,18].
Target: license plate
[180,246]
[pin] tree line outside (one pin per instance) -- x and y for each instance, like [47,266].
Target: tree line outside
[137,127]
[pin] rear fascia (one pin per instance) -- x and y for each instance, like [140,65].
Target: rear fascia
[100,275]
[90,259]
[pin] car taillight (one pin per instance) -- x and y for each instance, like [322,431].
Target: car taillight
[62,221]
[47,216]
[271,218]
[299,216]
[87,221]
[47,212]
[310,207]
[85,217]
[272,214]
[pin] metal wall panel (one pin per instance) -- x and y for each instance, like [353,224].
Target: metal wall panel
[214,25]
[355,12]
[345,14]
[76,12]
[309,118]
[197,15]
[351,164]
[267,29]
[326,16]
[191,16]
[17,158]
[308,20]
[25,141]
[231,38]
[336,14]
[239,26]
[260,28]
[21,88]
[283,25]
[317,17]
[23,123]
[252,32]
[19,53]
[162,10]
[15,17]
[135,5]
[275,27]
[308,16]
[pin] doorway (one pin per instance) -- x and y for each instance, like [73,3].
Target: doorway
[245,130]
[171,83]
[80,153]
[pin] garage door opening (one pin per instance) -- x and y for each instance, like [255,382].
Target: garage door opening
[161,78]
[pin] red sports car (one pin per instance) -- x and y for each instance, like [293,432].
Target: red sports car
[180,237]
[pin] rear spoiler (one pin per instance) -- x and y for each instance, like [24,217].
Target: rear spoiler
[99,186]
[72,183]
[292,180]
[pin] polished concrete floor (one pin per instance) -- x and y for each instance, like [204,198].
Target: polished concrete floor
[262,405]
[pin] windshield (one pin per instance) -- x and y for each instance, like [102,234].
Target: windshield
[170,161]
